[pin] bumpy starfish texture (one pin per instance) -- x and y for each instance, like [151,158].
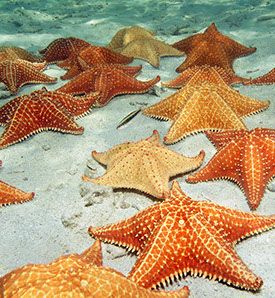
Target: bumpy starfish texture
[202,105]
[211,48]
[16,73]
[139,43]
[13,53]
[89,57]
[39,111]
[11,195]
[181,235]
[145,165]
[63,48]
[266,79]
[109,81]
[76,275]
[244,157]
[205,73]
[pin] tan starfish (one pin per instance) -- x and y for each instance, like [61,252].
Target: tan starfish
[13,53]
[139,43]
[16,73]
[207,73]
[201,106]
[76,275]
[181,235]
[145,165]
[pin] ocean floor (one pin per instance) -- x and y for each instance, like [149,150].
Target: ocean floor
[51,164]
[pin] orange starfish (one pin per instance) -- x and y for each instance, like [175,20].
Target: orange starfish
[211,48]
[42,110]
[181,235]
[202,105]
[11,195]
[207,73]
[90,56]
[63,48]
[145,165]
[76,275]
[266,79]
[244,157]
[109,81]
[13,53]
[16,73]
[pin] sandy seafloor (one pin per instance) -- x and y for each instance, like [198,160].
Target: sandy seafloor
[51,164]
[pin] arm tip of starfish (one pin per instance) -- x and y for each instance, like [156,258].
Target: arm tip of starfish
[86,178]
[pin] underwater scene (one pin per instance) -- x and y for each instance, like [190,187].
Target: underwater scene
[137,148]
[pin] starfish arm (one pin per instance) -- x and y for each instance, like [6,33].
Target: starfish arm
[264,133]
[93,254]
[258,168]
[33,116]
[182,78]
[168,108]
[176,163]
[11,195]
[204,111]
[144,50]
[7,111]
[72,72]
[117,40]
[266,79]
[131,233]
[116,82]
[241,104]
[239,224]
[220,166]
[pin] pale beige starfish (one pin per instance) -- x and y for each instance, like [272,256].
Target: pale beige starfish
[145,165]
[140,43]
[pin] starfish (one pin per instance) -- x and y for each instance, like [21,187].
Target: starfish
[13,53]
[201,106]
[16,73]
[42,110]
[63,48]
[181,235]
[11,195]
[244,157]
[211,48]
[205,73]
[109,81]
[266,79]
[91,56]
[76,275]
[139,43]
[145,165]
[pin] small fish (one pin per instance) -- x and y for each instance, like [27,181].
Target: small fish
[129,117]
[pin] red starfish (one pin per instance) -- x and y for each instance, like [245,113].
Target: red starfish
[17,73]
[181,235]
[109,81]
[245,157]
[211,48]
[206,73]
[62,48]
[266,79]
[11,195]
[90,56]
[42,110]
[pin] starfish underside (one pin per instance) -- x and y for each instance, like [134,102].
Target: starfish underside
[211,48]
[76,275]
[244,157]
[181,235]
[109,81]
[16,73]
[145,165]
[42,110]
[266,79]
[201,106]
